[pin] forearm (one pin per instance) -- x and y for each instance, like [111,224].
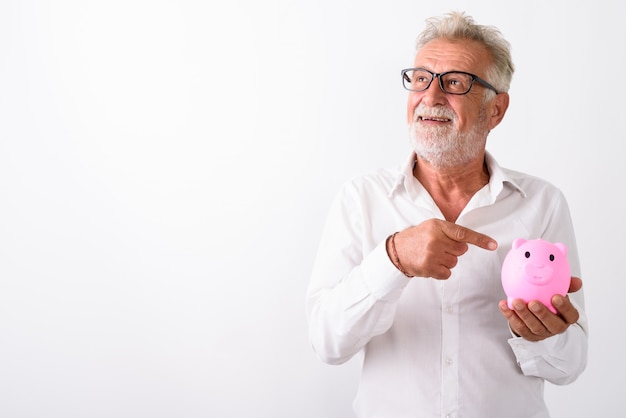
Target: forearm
[559,359]
[345,314]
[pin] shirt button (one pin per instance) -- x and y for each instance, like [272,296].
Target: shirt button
[448,361]
[449,309]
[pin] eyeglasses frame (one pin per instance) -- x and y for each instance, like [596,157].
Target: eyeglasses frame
[439,75]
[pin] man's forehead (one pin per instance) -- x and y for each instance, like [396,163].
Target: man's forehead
[441,55]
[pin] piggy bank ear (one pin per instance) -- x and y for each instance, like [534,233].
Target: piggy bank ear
[518,243]
[561,247]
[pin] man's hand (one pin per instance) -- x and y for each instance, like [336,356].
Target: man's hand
[535,322]
[432,248]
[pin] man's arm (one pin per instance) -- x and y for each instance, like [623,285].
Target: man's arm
[552,346]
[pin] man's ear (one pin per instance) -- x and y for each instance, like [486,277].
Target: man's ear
[497,109]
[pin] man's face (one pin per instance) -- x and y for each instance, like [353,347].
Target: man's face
[451,129]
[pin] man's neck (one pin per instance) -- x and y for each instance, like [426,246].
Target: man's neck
[452,187]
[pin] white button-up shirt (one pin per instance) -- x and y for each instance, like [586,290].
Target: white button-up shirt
[437,348]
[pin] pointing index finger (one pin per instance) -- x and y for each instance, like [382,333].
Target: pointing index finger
[462,234]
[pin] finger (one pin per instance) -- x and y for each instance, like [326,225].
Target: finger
[441,273]
[457,248]
[575,285]
[566,310]
[515,323]
[550,321]
[462,234]
[528,314]
[449,261]
[513,319]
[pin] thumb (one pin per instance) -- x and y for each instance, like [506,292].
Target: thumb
[575,285]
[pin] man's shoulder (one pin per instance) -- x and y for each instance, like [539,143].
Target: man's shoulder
[382,179]
[528,182]
[524,176]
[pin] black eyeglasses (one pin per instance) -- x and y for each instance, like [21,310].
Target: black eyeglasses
[452,82]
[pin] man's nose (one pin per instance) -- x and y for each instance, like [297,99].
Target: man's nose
[434,94]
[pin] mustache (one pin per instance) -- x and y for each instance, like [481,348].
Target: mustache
[423,111]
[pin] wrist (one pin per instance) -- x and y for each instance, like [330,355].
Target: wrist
[392,253]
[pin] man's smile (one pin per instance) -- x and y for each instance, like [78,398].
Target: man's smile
[433,119]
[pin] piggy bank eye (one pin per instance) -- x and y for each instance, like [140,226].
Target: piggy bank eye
[527,254]
[551,257]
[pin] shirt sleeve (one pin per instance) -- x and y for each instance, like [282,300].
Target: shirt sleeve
[354,290]
[562,358]
[559,359]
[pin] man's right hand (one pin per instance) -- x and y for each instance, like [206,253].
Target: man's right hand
[432,248]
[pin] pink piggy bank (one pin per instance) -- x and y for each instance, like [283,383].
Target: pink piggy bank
[535,270]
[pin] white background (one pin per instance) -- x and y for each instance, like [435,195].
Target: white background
[166,168]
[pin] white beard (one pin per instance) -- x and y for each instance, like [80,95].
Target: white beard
[445,146]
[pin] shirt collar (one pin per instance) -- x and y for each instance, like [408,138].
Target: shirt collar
[404,174]
[498,177]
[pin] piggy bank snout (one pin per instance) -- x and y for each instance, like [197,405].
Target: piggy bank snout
[538,273]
